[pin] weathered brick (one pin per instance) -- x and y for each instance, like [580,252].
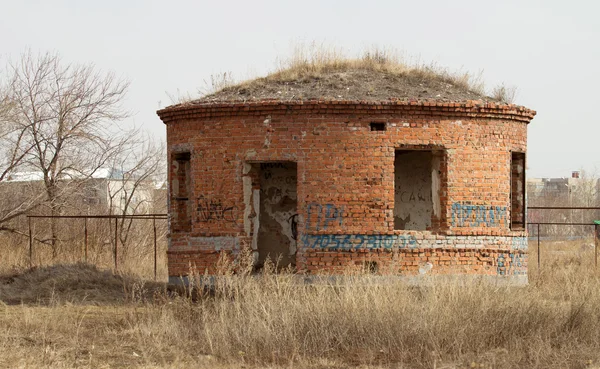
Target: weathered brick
[348,172]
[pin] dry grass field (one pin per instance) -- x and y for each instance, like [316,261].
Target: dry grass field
[80,316]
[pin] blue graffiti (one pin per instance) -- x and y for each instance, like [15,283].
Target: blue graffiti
[500,265]
[515,267]
[519,243]
[467,215]
[358,241]
[320,217]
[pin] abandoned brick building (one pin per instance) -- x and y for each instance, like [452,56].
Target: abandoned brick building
[400,185]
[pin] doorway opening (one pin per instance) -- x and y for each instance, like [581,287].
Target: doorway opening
[275,209]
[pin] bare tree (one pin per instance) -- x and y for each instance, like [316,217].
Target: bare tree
[139,171]
[61,120]
[13,152]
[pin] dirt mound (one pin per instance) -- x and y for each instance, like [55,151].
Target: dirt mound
[73,283]
[349,84]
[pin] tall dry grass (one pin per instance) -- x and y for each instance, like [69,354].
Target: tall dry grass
[135,249]
[276,320]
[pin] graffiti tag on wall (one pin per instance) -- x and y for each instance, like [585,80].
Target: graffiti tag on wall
[266,168]
[213,210]
[412,197]
[519,243]
[358,241]
[320,217]
[467,215]
[511,264]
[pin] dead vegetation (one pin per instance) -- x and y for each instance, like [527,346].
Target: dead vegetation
[505,94]
[317,71]
[73,284]
[272,320]
[135,252]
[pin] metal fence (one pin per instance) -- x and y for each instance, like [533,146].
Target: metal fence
[535,230]
[537,227]
[154,217]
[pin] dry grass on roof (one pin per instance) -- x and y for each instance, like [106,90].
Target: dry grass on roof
[376,75]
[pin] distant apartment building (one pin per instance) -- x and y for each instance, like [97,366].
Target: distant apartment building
[574,191]
[105,191]
[577,191]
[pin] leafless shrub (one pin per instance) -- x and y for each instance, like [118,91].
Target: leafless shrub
[505,94]
[221,80]
[135,191]
[217,82]
[179,97]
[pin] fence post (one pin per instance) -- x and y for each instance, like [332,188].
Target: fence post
[538,247]
[85,232]
[30,243]
[595,245]
[116,242]
[155,251]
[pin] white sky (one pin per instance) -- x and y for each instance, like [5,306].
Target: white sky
[549,49]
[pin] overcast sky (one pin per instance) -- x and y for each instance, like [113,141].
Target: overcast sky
[549,49]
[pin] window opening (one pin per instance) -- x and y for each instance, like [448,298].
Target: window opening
[377,126]
[180,190]
[517,191]
[416,189]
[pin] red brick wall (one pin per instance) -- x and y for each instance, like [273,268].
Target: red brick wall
[345,166]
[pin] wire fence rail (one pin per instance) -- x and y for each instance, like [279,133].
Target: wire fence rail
[535,227]
[154,217]
[575,224]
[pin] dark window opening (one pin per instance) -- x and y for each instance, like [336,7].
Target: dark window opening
[180,191]
[376,126]
[517,191]
[416,189]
